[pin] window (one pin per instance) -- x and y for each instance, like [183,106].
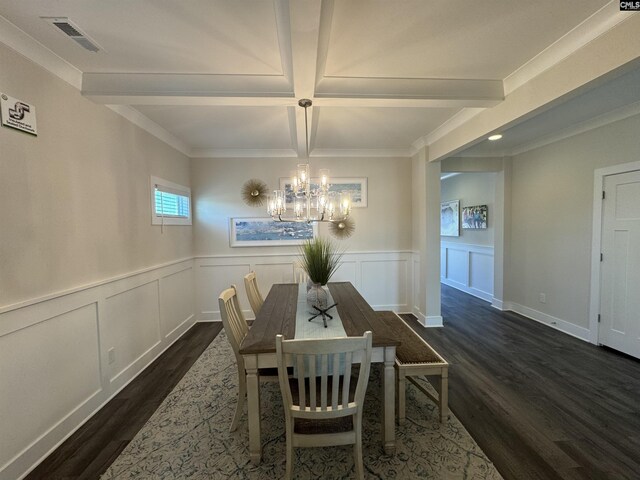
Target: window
[170,203]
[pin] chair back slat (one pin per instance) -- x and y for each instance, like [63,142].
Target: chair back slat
[324,367]
[347,378]
[335,376]
[301,383]
[233,320]
[327,362]
[253,292]
[313,397]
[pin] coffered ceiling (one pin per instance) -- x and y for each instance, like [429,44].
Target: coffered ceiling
[222,78]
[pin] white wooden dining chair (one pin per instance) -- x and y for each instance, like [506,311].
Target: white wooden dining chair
[320,410]
[236,329]
[253,293]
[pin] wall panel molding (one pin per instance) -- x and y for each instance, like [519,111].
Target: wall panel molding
[468,268]
[61,343]
[214,273]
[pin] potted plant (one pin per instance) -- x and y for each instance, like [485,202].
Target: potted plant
[320,260]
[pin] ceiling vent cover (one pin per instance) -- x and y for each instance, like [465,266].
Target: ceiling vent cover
[64,25]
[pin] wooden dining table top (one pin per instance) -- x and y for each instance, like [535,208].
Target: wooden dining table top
[278,316]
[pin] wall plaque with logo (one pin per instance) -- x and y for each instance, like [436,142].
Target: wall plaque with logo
[18,114]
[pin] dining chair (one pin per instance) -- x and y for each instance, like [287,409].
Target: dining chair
[236,329]
[251,286]
[321,408]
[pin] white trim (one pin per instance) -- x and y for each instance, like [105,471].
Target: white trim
[450,125]
[27,46]
[157,183]
[432,321]
[497,304]
[597,24]
[486,296]
[468,250]
[18,317]
[242,153]
[596,241]
[96,410]
[148,125]
[549,320]
[361,152]
[259,255]
[87,286]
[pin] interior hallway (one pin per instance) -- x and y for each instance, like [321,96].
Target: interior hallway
[540,403]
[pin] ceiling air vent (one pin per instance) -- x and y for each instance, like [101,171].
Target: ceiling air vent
[64,25]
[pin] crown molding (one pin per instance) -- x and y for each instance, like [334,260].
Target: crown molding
[361,152]
[600,22]
[454,122]
[242,153]
[591,124]
[142,121]
[30,48]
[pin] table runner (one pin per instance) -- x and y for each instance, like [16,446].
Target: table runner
[315,328]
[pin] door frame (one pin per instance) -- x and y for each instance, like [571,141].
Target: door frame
[596,241]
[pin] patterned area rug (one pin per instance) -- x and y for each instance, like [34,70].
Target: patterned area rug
[188,436]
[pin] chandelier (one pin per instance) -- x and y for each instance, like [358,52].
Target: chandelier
[308,198]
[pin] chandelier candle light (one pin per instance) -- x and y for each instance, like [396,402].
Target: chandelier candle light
[312,202]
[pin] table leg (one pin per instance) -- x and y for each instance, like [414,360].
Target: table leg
[389,395]
[253,407]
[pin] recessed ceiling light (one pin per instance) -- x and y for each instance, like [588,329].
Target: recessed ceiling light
[495,137]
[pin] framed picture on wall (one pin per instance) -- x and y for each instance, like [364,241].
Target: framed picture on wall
[265,232]
[474,218]
[356,186]
[450,218]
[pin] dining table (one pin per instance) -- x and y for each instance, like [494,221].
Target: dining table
[281,310]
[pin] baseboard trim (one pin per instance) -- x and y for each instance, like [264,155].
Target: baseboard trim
[10,466]
[488,297]
[549,320]
[497,304]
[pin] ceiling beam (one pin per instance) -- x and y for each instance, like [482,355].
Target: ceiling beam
[305,32]
[476,93]
[187,85]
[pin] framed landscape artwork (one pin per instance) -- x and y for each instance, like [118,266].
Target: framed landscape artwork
[450,218]
[474,218]
[265,232]
[357,187]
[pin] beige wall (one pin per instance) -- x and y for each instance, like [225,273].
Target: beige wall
[76,200]
[472,189]
[551,217]
[384,225]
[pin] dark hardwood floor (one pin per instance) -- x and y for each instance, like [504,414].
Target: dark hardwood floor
[541,404]
[91,449]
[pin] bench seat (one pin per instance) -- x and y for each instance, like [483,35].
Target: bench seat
[415,357]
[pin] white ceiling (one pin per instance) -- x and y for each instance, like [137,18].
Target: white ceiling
[615,100]
[222,77]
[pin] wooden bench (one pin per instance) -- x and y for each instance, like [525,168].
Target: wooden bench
[415,357]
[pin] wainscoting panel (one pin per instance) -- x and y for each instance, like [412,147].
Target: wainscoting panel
[31,360]
[132,326]
[457,265]
[468,268]
[384,283]
[176,296]
[270,273]
[481,272]
[55,366]
[213,278]
[383,278]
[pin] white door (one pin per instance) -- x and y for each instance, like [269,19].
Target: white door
[620,273]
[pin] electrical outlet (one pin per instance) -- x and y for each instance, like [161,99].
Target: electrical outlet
[543,298]
[112,355]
